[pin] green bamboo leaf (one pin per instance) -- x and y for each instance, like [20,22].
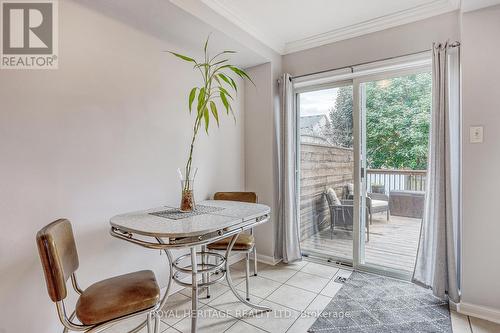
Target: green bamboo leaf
[213,108]
[192,95]
[224,101]
[233,84]
[201,65]
[226,92]
[201,98]
[217,79]
[221,53]
[232,113]
[220,62]
[241,73]
[183,57]
[206,115]
[206,43]
[226,79]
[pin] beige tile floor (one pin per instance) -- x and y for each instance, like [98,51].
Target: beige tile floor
[295,293]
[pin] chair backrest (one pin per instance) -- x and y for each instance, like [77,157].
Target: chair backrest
[236,196]
[331,197]
[57,250]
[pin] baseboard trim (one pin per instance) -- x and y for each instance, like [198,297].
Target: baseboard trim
[482,312]
[267,259]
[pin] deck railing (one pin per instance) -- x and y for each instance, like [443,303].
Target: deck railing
[393,179]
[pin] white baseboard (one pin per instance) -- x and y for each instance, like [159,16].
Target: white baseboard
[453,305]
[482,312]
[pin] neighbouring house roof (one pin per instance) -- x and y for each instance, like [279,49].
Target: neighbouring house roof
[311,121]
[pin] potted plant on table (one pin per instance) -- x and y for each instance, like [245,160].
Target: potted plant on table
[216,73]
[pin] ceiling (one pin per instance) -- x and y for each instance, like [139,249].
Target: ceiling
[291,25]
[166,21]
[284,26]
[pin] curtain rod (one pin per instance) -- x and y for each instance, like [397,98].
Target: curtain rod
[351,67]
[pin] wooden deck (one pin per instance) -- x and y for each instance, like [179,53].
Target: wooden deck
[392,244]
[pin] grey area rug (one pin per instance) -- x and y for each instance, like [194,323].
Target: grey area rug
[372,304]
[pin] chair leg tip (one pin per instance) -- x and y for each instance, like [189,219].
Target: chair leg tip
[208,296]
[255,274]
[248,299]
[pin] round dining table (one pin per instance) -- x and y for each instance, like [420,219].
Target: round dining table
[166,228]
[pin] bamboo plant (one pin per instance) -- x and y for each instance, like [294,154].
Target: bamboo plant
[217,86]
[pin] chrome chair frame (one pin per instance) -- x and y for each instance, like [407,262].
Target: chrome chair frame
[247,259]
[247,270]
[69,325]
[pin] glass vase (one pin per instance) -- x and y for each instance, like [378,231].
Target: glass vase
[187,199]
[187,192]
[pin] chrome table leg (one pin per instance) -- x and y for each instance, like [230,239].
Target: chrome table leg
[194,291]
[170,274]
[247,275]
[254,261]
[157,323]
[150,323]
[230,281]
[204,262]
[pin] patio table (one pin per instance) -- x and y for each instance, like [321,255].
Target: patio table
[407,203]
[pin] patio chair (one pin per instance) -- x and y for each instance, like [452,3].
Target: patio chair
[377,203]
[341,213]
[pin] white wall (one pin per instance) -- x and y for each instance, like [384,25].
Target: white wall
[261,148]
[101,135]
[481,106]
[259,153]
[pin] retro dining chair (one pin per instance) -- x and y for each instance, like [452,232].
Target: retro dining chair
[245,243]
[103,303]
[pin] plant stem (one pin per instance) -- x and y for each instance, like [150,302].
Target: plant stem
[190,159]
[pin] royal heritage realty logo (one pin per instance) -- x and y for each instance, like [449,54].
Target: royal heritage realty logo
[29,34]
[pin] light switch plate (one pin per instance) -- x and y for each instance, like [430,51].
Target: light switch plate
[476,134]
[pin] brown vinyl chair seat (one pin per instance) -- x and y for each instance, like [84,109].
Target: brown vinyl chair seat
[244,242]
[118,296]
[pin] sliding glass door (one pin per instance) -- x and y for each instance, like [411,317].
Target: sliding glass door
[363,146]
[395,120]
[326,170]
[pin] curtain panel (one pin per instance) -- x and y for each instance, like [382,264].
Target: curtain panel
[288,240]
[436,264]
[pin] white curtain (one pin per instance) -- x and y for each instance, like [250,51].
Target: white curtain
[436,265]
[288,242]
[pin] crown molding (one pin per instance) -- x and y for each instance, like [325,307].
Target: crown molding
[471,5]
[232,16]
[417,13]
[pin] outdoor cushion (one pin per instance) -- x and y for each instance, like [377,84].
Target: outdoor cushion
[332,197]
[379,203]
